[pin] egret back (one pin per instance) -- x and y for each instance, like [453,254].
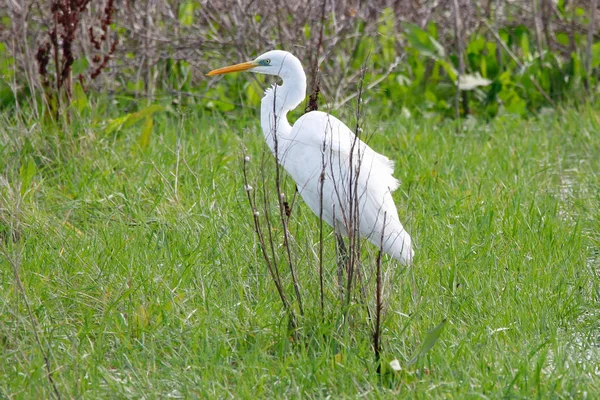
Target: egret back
[358,185]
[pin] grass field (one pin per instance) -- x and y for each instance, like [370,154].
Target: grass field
[144,280]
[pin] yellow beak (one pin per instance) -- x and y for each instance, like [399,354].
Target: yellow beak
[233,68]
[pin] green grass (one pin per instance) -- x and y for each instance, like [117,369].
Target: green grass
[144,278]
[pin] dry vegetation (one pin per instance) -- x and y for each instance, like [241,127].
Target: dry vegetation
[129,46]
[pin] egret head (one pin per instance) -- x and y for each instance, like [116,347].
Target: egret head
[274,62]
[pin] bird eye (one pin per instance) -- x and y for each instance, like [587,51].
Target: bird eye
[267,61]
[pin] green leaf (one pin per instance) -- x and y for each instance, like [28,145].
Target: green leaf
[430,340]
[563,39]
[6,67]
[130,119]
[135,86]
[253,93]
[505,78]
[144,139]
[449,68]
[7,96]
[525,45]
[513,103]
[483,67]
[476,45]
[116,123]
[430,96]
[306,31]
[186,13]
[223,102]
[364,49]
[386,26]
[387,33]
[26,174]
[423,42]
[80,65]
[79,100]
[595,55]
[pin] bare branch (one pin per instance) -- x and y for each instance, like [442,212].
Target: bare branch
[590,40]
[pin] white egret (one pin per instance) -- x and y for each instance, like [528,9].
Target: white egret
[358,184]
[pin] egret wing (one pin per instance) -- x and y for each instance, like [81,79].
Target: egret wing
[325,132]
[354,176]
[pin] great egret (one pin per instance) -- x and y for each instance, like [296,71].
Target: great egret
[358,182]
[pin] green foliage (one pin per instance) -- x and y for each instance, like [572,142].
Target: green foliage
[505,73]
[7,98]
[26,174]
[186,12]
[80,65]
[79,100]
[130,119]
[426,80]
[430,339]
[144,139]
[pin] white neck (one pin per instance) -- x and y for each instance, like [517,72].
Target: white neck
[278,100]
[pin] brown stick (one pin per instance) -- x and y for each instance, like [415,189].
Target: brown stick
[261,240]
[590,39]
[378,302]
[538,29]
[461,63]
[313,104]
[353,225]
[282,212]
[321,184]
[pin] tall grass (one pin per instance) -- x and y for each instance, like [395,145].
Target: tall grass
[144,277]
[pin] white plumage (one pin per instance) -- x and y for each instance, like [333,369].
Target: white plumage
[358,182]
